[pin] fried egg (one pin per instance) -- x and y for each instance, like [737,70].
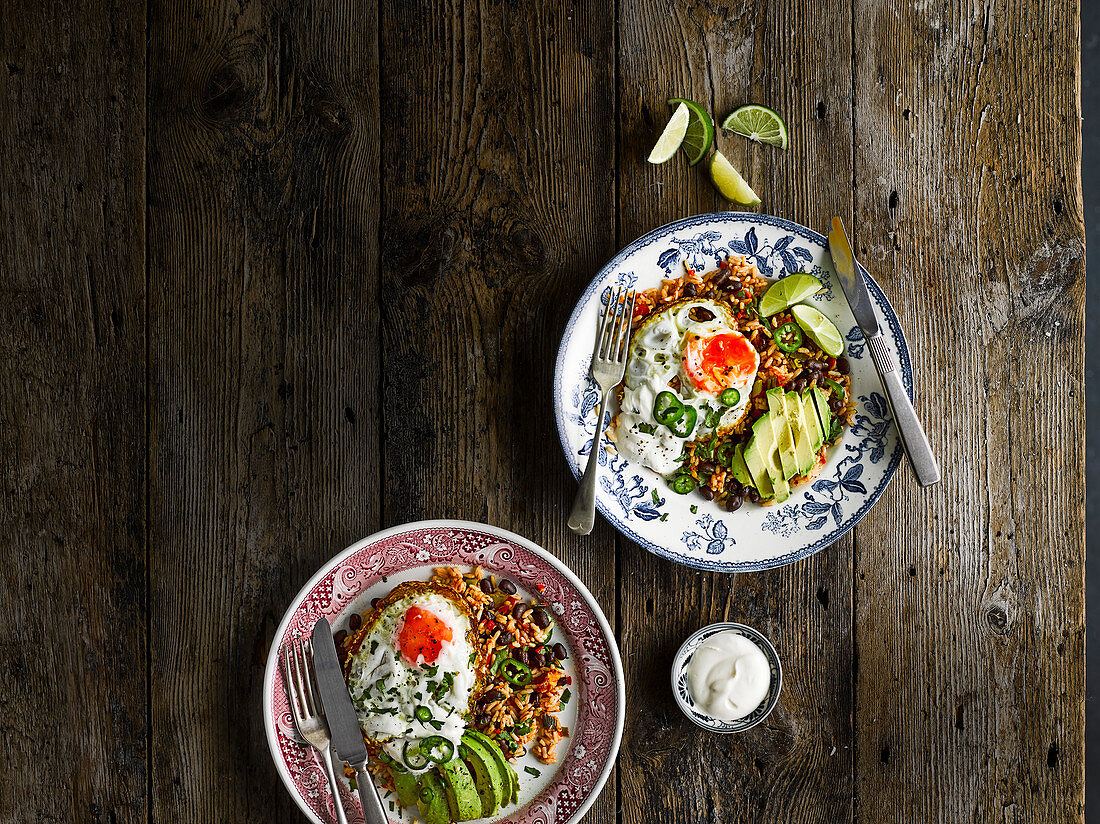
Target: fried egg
[693,350]
[410,671]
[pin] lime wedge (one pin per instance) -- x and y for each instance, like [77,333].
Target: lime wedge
[758,123]
[700,130]
[787,292]
[672,136]
[821,330]
[730,183]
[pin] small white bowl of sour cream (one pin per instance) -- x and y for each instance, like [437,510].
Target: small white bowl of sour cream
[727,677]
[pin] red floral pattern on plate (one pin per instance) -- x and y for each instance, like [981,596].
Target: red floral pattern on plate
[594,742]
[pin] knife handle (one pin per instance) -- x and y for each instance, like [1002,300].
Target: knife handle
[369,798]
[333,784]
[913,439]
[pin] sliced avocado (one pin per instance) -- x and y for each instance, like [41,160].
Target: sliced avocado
[493,785]
[804,456]
[764,433]
[821,402]
[784,436]
[433,799]
[757,469]
[813,422]
[738,467]
[503,767]
[462,795]
[405,785]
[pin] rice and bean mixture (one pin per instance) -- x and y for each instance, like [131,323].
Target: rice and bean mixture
[524,686]
[738,284]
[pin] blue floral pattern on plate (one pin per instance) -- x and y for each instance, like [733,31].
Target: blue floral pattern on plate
[686,528]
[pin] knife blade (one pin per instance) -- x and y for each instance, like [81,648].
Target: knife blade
[851,281]
[913,440]
[343,724]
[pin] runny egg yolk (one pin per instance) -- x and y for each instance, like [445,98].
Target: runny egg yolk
[422,635]
[719,362]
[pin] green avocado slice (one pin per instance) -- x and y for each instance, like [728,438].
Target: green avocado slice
[504,768]
[462,795]
[490,780]
[432,799]
[405,785]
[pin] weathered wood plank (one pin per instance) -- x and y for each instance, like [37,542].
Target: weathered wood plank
[263,196]
[498,208]
[72,441]
[795,57]
[969,597]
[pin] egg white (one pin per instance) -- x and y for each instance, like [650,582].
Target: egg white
[656,357]
[386,689]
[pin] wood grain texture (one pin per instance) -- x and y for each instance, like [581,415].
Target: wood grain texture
[498,207]
[969,597]
[72,413]
[795,57]
[264,363]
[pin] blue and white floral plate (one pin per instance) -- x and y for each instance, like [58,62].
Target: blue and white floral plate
[638,502]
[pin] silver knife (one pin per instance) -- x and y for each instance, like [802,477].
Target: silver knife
[343,725]
[913,439]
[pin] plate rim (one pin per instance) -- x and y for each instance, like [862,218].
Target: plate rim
[904,365]
[446,523]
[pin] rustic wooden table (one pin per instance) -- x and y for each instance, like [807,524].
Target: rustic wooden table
[278,274]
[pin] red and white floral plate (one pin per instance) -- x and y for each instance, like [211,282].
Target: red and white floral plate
[559,794]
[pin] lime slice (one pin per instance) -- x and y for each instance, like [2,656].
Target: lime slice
[821,330]
[730,183]
[700,130]
[758,123]
[672,136]
[787,292]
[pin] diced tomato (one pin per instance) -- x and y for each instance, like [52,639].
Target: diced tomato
[422,636]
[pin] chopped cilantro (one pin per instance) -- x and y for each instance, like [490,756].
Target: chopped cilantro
[566,695]
[694,509]
[647,428]
[373,646]
[656,498]
[532,771]
[664,517]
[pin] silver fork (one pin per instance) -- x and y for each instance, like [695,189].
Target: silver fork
[608,367]
[305,706]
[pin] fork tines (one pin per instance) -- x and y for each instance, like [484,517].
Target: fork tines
[615,329]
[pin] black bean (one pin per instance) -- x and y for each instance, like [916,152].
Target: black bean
[518,610]
[721,278]
[733,286]
[537,659]
[560,651]
[340,637]
[835,405]
[690,291]
[541,619]
[486,586]
[707,492]
[708,467]
[482,720]
[491,696]
[355,621]
[374,602]
[505,638]
[842,365]
[522,655]
[506,586]
[700,314]
[815,366]
[734,487]
[819,379]
[733,502]
[549,721]
[753,495]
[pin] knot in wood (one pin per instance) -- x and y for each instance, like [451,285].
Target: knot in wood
[997,618]
[527,247]
[230,91]
[332,116]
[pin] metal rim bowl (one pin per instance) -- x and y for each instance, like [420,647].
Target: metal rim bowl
[682,692]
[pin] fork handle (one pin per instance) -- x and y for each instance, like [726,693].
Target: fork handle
[583,516]
[333,784]
[369,798]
